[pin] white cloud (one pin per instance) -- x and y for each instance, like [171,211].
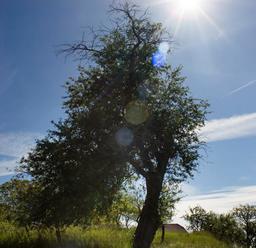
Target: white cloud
[229,128]
[220,201]
[14,145]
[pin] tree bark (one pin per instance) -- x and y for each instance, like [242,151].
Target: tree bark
[58,235]
[149,220]
[163,233]
[27,231]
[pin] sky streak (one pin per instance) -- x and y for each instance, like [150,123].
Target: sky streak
[242,87]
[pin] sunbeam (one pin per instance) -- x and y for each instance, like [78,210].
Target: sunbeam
[212,22]
[179,22]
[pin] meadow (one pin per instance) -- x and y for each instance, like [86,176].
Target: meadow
[77,237]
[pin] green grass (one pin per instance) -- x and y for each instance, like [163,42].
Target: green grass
[76,237]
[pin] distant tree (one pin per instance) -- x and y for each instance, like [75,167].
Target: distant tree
[197,218]
[126,112]
[246,217]
[222,226]
[29,206]
[17,197]
[168,198]
[123,211]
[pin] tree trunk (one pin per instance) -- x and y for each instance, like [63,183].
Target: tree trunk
[163,233]
[149,218]
[58,235]
[27,231]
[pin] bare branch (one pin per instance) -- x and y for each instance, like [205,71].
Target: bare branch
[83,49]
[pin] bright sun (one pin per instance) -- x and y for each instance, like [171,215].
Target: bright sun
[192,10]
[190,6]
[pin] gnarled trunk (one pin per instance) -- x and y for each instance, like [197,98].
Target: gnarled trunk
[149,218]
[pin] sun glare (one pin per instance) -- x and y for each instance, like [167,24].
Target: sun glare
[190,6]
[192,10]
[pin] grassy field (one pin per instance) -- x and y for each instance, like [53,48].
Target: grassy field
[75,237]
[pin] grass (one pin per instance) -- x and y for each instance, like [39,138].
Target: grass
[76,237]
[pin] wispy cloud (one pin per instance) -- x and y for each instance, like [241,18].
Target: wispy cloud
[7,167]
[242,87]
[188,189]
[12,147]
[17,144]
[229,128]
[219,201]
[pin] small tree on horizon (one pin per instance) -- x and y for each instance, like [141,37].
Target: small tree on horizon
[246,217]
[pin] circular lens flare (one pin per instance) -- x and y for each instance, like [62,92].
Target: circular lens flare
[124,136]
[136,112]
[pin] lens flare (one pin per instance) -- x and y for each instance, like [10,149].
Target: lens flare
[159,58]
[124,136]
[136,112]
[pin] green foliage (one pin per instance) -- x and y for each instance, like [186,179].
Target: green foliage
[168,198]
[124,210]
[167,141]
[19,201]
[71,184]
[128,204]
[196,217]
[223,226]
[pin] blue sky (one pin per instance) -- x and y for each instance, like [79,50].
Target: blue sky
[216,46]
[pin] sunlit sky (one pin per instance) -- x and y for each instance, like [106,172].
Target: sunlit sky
[215,41]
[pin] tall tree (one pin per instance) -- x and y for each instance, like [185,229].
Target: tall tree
[154,117]
[127,112]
